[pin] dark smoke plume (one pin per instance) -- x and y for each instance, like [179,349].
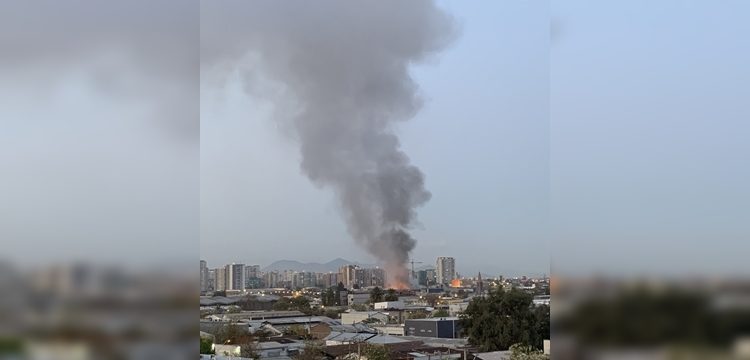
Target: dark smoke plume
[345,67]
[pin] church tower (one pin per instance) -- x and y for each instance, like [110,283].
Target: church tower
[480,285]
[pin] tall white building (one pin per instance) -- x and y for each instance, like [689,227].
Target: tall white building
[445,269]
[204,276]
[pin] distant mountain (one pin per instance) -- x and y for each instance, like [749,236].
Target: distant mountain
[331,266]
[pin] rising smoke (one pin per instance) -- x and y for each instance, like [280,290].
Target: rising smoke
[345,67]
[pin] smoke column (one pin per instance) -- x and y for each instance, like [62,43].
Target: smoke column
[343,67]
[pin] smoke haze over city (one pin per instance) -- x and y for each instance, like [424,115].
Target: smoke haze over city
[252,130]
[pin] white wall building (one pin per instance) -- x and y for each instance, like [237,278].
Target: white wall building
[388,305]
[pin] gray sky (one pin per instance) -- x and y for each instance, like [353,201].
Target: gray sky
[650,132]
[99,140]
[481,140]
[647,131]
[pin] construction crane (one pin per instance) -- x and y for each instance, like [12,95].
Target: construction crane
[412,262]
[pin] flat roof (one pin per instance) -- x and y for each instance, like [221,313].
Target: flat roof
[453,318]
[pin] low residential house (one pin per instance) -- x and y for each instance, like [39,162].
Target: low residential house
[279,349]
[255,326]
[214,301]
[262,315]
[541,300]
[283,325]
[457,308]
[492,355]
[372,317]
[390,329]
[389,305]
[339,338]
[382,339]
[322,330]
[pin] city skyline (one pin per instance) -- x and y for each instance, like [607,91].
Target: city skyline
[237,278]
[334,266]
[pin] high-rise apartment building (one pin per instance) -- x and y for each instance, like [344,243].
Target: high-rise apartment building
[252,276]
[271,279]
[330,279]
[445,269]
[220,282]
[211,281]
[359,277]
[373,277]
[235,277]
[204,276]
[348,275]
[351,275]
[252,271]
[422,277]
[431,277]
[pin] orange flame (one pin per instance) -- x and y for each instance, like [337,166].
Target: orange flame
[456,283]
[398,285]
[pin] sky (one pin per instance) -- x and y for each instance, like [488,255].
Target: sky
[481,140]
[649,137]
[99,133]
[618,146]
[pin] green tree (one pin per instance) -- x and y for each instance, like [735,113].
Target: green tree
[524,352]
[390,295]
[371,320]
[432,299]
[299,303]
[375,352]
[333,314]
[282,304]
[229,334]
[206,346]
[311,351]
[359,307]
[376,295]
[329,297]
[502,319]
[417,315]
[263,334]
[297,330]
[642,316]
[542,314]
[440,313]
[249,350]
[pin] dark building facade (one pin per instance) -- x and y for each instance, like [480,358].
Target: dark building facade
[445,328]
